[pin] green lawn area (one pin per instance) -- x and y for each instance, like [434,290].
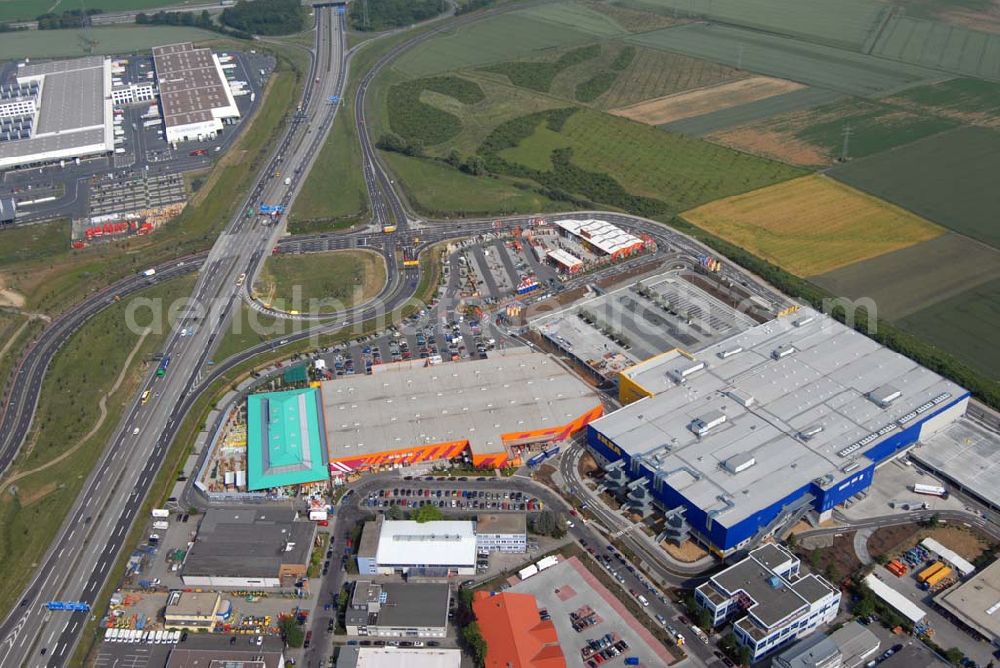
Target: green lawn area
[110,39]
[964,326]
[33,242]
[335,280]
[681,172]
[29,9]
[82,372]
[536,150]
[246,329]
[442,191]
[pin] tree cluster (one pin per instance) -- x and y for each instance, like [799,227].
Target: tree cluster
[473,5]
[189,19]
[390,141]
[414,120]
[265,17]
[475,643]
[548,523]
[538,75]
[292,632]
[385,14]
[72,18]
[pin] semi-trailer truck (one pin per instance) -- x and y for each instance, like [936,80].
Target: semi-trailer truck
[933,490]
[148,273]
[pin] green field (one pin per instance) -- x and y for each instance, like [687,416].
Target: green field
[942,46]
[23,10]
[809,63]
[906,281]
[654,73]
[751,113]
[82,372]
[679,171]
[950,178]
[332,281]
[965,326]
[508,37]
[874,127]
[972,101]
[440,191]
[845,23]
[109,39]
[33,242]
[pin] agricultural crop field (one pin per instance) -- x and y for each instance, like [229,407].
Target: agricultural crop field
[632,20]
[508,37]
[723,119]
[965,326]
[906,281]
[338,279]
[949,178]
[109,40]
[968,101]
[675,107]
[811,225]
[940,45]
[816,136]
[785,58]
[846,23]
[654,73]
[634,155]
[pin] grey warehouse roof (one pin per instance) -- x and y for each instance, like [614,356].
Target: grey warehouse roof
[408,405]
[402,605]
[190,84]
[967,454]
[248,542]
[824,382]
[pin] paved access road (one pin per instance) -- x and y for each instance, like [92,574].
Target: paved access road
[91,539]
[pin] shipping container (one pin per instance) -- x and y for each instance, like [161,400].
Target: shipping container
[929,571]
[896,568]
[941,574]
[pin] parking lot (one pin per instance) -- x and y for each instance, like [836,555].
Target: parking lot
[462,499]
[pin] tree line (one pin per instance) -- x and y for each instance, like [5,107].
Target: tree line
[189,19]
[385,14]
[265,17]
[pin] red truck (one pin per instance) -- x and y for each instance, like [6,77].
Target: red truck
[198,152]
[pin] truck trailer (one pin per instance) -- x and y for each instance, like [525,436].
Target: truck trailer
[929,571]
[939,575]
[933,490]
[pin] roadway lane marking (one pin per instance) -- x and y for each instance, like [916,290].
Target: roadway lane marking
[59,556]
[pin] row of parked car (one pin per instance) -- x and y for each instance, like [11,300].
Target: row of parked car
[465,499]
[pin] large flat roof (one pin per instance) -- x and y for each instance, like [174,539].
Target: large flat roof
[248,542]
[976,601]
[749,420]
[406,405]
[442,543]
[73,115]
[966,453]
[191,83]
[285,444]
[895,599]
[394,657]
[601,234]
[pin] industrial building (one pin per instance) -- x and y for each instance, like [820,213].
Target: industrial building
[515,633]
[195,97]
[285,442]
[398,610]
[756,431]
[195,611]
[771,602]
[404,547]
[352,656]
[58,110]
[975,603]
[850,646]
[507,532]
[601,237]
[488,410]
[210,651]
[250,548]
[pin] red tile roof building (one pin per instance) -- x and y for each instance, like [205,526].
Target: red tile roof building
[515,634]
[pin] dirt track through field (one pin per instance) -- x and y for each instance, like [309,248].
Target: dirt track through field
[706,100]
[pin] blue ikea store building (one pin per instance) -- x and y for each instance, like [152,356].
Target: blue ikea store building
[788,417]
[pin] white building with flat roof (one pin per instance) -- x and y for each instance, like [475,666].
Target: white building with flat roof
[194,93]
[438,548]
[58,110]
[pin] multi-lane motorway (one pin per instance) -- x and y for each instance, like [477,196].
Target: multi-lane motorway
[93,534]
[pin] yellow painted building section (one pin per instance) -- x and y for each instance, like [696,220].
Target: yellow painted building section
[630,391]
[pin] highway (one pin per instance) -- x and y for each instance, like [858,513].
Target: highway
[92,536]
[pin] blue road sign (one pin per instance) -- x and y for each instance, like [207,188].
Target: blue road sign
[341,10]
[333,99]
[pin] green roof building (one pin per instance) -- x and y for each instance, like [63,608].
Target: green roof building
[286,441]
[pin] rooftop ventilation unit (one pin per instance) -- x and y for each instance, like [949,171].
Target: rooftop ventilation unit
[784,350]
[707,422]
[810,432]
[802,322]
[732,351]
[683,373]
[742,398]
[738,463]
[885,395]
